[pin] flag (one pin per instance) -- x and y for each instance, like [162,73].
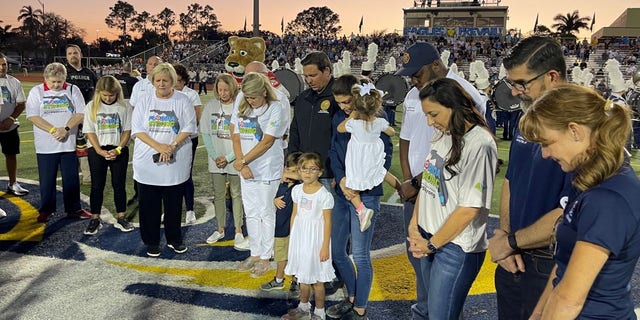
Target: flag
[593,21]
[282,25]
[245,25]
[535,26]
[360,26]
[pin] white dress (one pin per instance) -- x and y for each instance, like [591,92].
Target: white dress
[307,233]
[364,161]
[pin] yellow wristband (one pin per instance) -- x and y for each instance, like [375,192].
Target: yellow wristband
[118,150]
[52,130]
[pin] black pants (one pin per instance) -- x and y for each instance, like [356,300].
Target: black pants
[189,188]
[118,167]
[151,200]
[202,85]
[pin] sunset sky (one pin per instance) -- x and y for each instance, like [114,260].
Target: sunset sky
[377,14]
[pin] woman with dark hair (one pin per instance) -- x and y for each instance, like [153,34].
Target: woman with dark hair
[448,225]
[598,243]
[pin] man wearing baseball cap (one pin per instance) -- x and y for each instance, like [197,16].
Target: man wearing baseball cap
[421,62]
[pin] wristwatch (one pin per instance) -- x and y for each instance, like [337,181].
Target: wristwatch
[66,128]
[431,247]
[415,183]
[512,242]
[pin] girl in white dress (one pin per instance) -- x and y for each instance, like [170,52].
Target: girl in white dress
[364,162]
[309,257]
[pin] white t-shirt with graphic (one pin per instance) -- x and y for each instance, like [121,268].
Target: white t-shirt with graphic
[415,130]
[440,194]
[11,93]
[252,128]
[57,107]
[162,120]
[110,122]
[285,114]
[215,122]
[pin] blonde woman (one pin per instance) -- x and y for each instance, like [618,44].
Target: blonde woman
[56,108]
[107,125]
[162,123]
[256,125]
[216,134]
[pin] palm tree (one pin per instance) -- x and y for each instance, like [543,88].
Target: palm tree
[570,23]
[31,20]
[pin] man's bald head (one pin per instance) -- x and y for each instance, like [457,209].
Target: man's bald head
[256,66]
[152,62]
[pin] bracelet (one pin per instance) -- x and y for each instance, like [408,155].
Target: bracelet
[432,247]
[12,118]
[52,130]
[118,150]
[512,241]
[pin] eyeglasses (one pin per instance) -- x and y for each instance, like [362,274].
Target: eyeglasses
[309,170]
[521,86]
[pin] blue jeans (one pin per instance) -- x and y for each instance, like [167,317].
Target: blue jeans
[48,165]
[512,303]
[419,310]
[448,275]
[345,226]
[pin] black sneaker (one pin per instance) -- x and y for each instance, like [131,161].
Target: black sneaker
[353,315]
[294,290]
[332,286]
[93,227]
[178,248]
[336,311]
[124,225]
[132,201]
[153,251]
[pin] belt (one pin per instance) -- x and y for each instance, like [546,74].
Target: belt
[539,253]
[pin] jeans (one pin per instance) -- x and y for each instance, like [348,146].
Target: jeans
[512,303]
[345,226]
[48,164]
[189,189]
[448,275]
[118,167]
[419,310]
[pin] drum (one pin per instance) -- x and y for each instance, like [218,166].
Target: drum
[395,89]
[502,97]
[292,81]
[633,101]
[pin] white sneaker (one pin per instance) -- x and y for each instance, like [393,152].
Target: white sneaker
[240,243]
[2,214]
[215,237]
[190,218]
[16,189]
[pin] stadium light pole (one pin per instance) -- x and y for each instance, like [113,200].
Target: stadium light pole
[256,18]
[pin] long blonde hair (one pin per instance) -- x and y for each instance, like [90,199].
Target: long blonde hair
[610,126]
[109,84]
[255,84]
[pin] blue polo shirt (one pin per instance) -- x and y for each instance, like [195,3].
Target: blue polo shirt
[607,215]
[536,185]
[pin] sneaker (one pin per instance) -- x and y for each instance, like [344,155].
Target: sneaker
[247,264]
[178,248]
[93,227]
[123,224]
[190,218]
[153,251]
[240,243]
[82,214]
[314,316]
[260,268]
[295,314]
[215,237]
[353,315]
[2,213]
[16,189]
[365,218]
[336,311]
[332,286]
[272,285]
[294,290]
[43,217]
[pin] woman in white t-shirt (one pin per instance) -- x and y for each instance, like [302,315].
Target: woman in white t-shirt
[448,225]
[257,126]
[216,120]
[189,188]
[107,125]
[56,108]
[162,123]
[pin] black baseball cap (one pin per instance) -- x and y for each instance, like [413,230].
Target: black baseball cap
[417,56]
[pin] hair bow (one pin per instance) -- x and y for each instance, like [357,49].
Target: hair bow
[366,88]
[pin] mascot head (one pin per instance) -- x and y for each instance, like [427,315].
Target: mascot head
[241,52]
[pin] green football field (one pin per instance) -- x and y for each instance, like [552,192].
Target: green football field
[27,167]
